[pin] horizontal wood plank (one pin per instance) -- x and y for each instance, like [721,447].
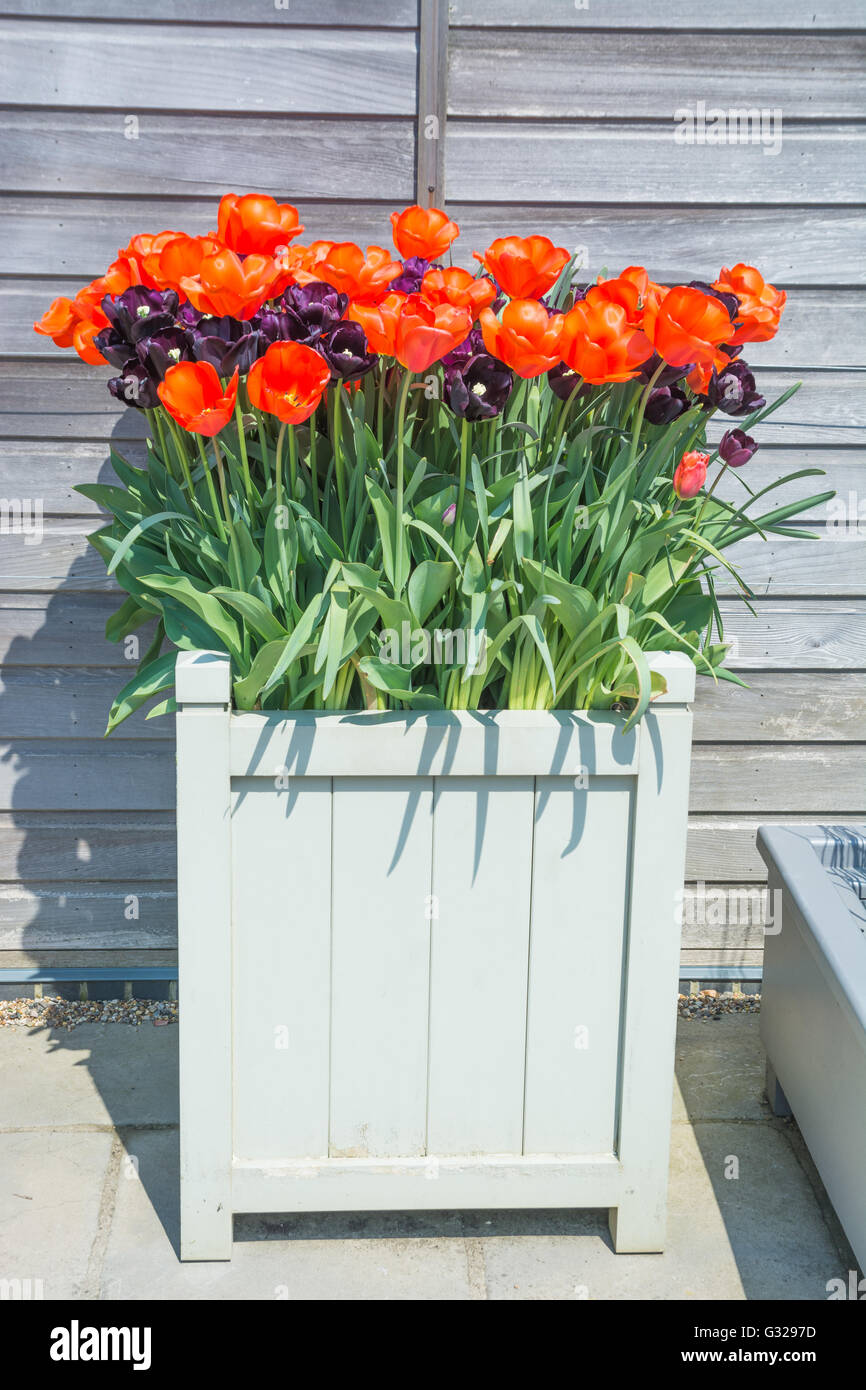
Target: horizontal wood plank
[819,328]
[57,846]
[69,917]
[635,14]
[86,775]
[46,958]
[87,152]
[592,73]
[824,779]
[134,68]
[699,965]
[780,565]
[723,848]
[65,703]
[816,635]
[64,399]
[370,14]
[78,236]
[52,468]
[627,162]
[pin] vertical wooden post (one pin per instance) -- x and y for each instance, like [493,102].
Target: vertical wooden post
[432,103]
[652,963]
[203,690]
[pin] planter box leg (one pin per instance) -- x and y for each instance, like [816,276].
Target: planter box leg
[638,1225]
[204,955]
[775,1095]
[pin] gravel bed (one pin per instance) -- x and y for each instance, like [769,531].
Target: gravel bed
[54,1012]
[711,1004]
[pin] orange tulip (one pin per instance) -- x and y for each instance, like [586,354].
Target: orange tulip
[650,293]
[599,341]
[761,304]
[225,284]
[425,332]
[458,287]
[690,474]
[256,222]
[75,322]
[379,321]
[58,322]
[687,326]
[344,265]
[288,382]
[523,267]
[621,291]
[527,338]
[424,232]
[193,395]
[177,257]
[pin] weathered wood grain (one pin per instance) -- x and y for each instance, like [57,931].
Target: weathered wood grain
[58,846]
[781,707]
[780,565]
[370,14]
[65,399]
[50,469]
[275,68]
[699,965]
[56,775]
[65,917]
[533,72]
[87,152]
[635,14]
[632,163]
[79,235]
[62,629]
[71,703]
[723,849]
[803,634]
[825,779]
[156,957]
[817,330]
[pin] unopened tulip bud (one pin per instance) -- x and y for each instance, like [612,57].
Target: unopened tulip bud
[690,474]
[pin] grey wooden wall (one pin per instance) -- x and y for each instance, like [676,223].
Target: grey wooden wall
[560,120]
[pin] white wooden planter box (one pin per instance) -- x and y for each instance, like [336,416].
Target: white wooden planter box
[426,960]
[813,1004]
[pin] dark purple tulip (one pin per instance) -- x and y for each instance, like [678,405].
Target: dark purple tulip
[188,316]
[276,326]
[113,346]
[479,389]
[130,312]
[667,376]
[346,352]
[213,338]
[134,386]
[561,380]
[313,310]
[409,281]
[458,357]
[730,301]
[241,355]
[733,390]
[164,350]
[737,447]
[665,403]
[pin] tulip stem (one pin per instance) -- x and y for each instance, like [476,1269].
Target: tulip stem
[563,417]
[314,471]
[242,445]
[339,468]
[263,445]
[284,575]
[210,487]
[639,413]
[293,463]
[398,505]
[464,463]
[233,540]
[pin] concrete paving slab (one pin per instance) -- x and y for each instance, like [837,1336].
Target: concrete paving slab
[782,1245]
[50,1195]
[321,1257]
[720,1068]
[97,1074]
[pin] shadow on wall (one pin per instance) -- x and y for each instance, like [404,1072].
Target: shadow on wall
[89,829]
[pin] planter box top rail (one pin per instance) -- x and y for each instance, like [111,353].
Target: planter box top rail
[439,743]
